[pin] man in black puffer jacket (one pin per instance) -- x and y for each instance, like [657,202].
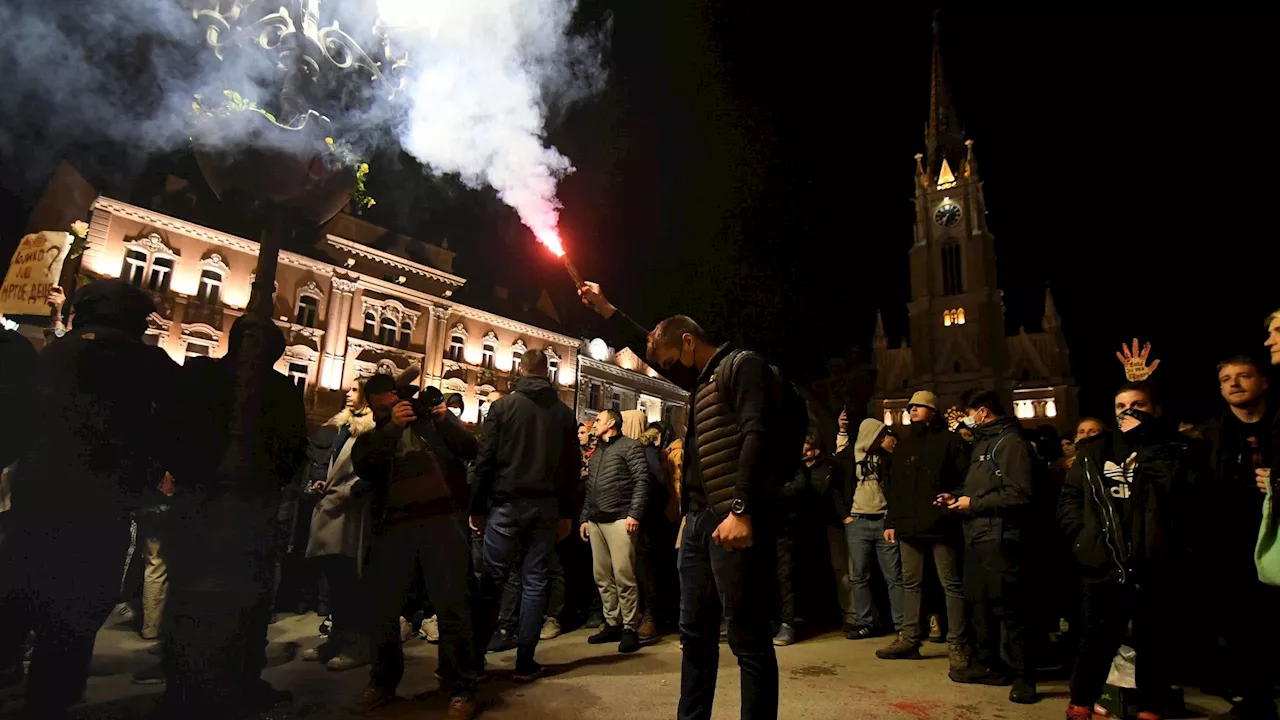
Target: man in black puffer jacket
[617,490]
[1121,508]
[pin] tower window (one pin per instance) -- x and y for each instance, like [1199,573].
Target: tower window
[952,269]
[308,309]
[953,317]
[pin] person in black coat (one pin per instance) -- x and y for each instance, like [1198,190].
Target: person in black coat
[1125,508]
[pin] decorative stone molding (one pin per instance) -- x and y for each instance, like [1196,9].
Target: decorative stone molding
[215,262]
[357,345]
[518,347]
[151,243]
[312,289]
[551,354]
[302,353]
[343,285]
[457,330]
[389,308]
[604,374]
[189,330]
[490,338]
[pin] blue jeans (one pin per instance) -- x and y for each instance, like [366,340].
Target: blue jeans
[528,525]
[741,582]
[866,539]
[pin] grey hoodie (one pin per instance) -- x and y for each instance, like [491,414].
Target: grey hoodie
[868,494]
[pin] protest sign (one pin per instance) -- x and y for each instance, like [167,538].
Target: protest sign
[33,271]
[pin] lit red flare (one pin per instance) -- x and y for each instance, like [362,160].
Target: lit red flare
[551,239]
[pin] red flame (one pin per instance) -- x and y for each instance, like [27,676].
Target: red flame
[551,239]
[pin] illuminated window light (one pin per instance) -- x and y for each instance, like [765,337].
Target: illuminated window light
[1024,409]
[888,417]
[1051,409]
[946,318]
[960,316]
[906,417]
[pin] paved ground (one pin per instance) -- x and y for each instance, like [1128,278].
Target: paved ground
[825,678]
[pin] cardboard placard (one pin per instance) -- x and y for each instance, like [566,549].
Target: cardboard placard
[34,270]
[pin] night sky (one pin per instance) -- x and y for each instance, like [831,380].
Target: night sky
[751,165]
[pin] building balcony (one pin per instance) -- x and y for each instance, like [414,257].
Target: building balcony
[198,312]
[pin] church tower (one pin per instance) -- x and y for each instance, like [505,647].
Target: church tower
[956,312]
[956,317]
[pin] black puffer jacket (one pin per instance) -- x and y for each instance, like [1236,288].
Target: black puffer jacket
[928,460]
[1151,537]
[999,483]
[617,482]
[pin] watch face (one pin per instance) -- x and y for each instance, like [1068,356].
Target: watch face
[948,214]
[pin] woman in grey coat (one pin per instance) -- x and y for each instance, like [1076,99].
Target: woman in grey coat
[340,530]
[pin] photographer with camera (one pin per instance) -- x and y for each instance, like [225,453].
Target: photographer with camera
[414,462]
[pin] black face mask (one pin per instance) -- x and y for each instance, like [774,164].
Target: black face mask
[685,376]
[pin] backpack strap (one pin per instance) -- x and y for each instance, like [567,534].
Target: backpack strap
[990,455]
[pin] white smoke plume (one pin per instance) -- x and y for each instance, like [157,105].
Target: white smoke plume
[482,77]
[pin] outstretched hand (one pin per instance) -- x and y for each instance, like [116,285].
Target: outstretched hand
[594,298]
[1135,364]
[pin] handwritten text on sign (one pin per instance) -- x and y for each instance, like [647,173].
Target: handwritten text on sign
[34,270]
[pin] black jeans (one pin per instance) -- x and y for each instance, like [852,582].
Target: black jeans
[784,567]
[1107,612]
[740,582]
[509,613]
[441,546]
[656,568]
[347,599]
[61,580]
[997,593]
[221,557]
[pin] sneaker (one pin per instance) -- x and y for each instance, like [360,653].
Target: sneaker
[902,648]
[648,628]
[151,675]
[502,641]
[1024,692]
[461,708]
[935,630]
[345,661]
[786,636]
[960,659]
[124,612]
[430,630]
[326,625]
[630,641]
[406,630]
[322,653]
[861,632]
[607,634]
[550,629]
[371,699]
[1079,712]
[527,671]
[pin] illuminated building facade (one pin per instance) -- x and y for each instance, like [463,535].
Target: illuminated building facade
[956,314]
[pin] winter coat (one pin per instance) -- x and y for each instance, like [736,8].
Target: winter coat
[97,426]
[341,523]
[999,483]
[529,450]
[673,469]
[1236,513]
[416,471]
[830,485]
[617,482]
[1111,544]
[927,461]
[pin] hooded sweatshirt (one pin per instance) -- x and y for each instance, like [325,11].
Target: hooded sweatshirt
[868,493]
[529,450]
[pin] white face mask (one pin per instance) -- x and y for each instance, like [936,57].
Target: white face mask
[457,412]
[969,421]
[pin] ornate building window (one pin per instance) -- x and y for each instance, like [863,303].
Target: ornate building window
[1025,409]
[457,343]
[488,349]
[210,287]
[593,396]
[616,402]
[406,332]
[387,332]
[148,263]
[952,268]
[134,268]
[308,311]
[370,326]
[953,317]
[161,274]
[553,364]
[888,417]
[517,352]
[298,375]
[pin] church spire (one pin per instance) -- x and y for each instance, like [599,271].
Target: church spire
[1051,317]
[879,338]
[942,138]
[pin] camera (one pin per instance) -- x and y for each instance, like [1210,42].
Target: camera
[422,405]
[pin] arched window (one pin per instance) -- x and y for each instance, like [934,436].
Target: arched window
[370,326]
[888,417]
[1050,408]
[960,316]
[387,333]
[161,274]
[210,287]
[456,343]
[906,417]
[134,268]
[517,352]
[406,332]
[308,310]
[486,356]
[952,268]
[553,367]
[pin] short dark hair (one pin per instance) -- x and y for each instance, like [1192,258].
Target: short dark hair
[812,437]
[975,398]
[379,383]
[615,416]
[1141,386]
[534,363]
[1240,360]
[669,331]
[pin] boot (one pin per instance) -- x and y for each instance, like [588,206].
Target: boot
[1024,692]
[648,628]
[935,630]
[960,659]
[902,648]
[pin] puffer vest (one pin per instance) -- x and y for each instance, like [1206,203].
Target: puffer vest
[719,443]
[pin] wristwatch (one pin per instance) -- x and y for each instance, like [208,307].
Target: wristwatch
[738,507]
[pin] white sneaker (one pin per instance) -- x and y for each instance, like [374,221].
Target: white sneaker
[430,630]
[550,629]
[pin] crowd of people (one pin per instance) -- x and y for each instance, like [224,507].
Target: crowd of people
[1022,551]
